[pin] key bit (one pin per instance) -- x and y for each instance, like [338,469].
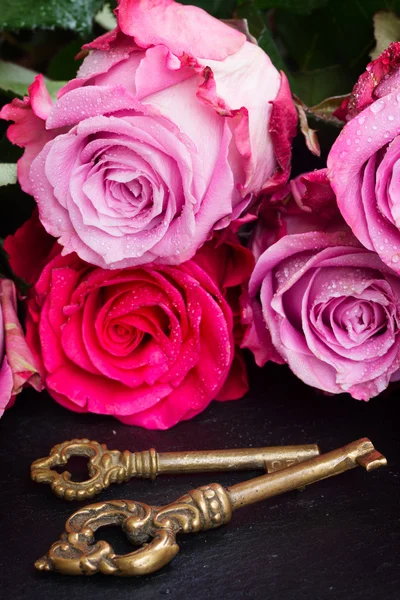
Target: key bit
[112,466]
[155,528]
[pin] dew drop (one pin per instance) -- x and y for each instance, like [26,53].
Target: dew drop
[391,117]
[361,120]
[376,107]
[395,258]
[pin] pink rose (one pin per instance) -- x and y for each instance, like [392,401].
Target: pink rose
[173,126]
[149,345]
[17,365]
[330,309]
[364,162]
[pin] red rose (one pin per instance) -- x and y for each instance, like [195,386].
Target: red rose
[149,345]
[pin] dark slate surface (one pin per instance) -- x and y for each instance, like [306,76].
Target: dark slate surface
[338,539]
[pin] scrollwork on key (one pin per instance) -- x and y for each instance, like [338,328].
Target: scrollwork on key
[153,528]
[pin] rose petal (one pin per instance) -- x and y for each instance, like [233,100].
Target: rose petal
[183,29]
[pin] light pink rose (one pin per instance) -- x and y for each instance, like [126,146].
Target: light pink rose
[364,162]
[173,126]
[17,365]
[330,309]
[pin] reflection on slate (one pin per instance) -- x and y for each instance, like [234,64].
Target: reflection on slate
[339,539]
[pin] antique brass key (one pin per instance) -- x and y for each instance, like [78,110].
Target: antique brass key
[112,466]
[155,528]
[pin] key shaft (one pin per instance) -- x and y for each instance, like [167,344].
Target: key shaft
[112,466]
[359,453]
[270,459]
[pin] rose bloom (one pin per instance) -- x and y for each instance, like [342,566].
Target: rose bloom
[149,345]
[364,162]
[17,365]
[173,125]
[330,309]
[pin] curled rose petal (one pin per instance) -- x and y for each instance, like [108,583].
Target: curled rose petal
[184,29]
[17,365]
[29,129]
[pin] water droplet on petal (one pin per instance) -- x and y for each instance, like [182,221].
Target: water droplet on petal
[376,107]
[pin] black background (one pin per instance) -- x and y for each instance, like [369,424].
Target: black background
[337,539]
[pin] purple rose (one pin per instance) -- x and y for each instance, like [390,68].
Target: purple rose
[330,309]
[364,162]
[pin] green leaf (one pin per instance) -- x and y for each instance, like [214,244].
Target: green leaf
[316,85]
[268,44]
[242,26]
[8,174]
[301,7]
[76,15]
[63,65]
[16,80]
[325,109]
[386,31]
[222,9]
[106,18]
[254,17]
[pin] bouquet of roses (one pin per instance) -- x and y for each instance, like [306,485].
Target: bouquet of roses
[168,235]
